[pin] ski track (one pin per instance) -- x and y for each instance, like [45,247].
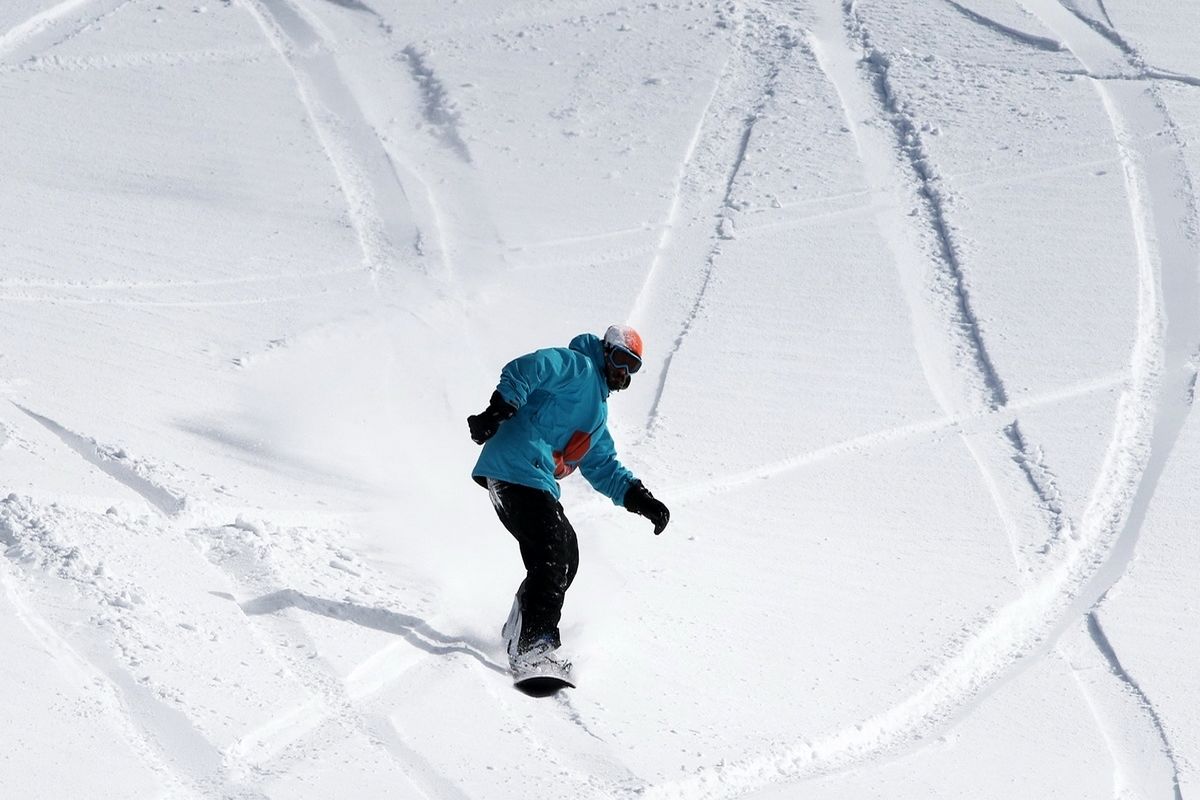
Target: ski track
[436,106]
[668,225]
[30,37]
[1040,479]
[334,702]
[1165,221]
[910,145]
[196,763]
[1021,37]
[348,700]
[61,64]
[1143,434]
[88,674]
[379,209]
[114,464]
[963,423]
[588,238]
[894,729]
[1101,642]
[726,211]
[158,730]
[329,699]
[299,297]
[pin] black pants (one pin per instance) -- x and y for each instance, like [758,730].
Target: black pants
[548,548]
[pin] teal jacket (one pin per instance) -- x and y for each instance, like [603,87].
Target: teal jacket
[561,422]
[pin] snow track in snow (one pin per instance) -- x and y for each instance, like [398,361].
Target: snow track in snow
[114,464]
[359,699]
[1021,37]
[750,75]
[1166,224]
[1170,770]
[438,113]
[967,423]
[949,280]
[66,657]
[1144,432]
[378,206]
[42,31]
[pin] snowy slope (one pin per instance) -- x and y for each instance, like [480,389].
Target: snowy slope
[918,283]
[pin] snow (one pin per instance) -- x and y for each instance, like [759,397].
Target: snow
[918,288]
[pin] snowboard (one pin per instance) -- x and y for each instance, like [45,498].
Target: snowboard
[542,679]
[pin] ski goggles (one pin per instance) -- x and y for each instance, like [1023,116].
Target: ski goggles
[624,359]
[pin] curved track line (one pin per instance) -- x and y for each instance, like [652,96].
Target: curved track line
[22,39]
[24,31]
[1143,434]
[1165,220]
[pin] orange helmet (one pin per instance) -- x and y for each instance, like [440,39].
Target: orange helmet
[624,337]
[622,356]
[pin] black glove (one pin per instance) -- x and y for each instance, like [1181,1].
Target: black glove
[639,500]
[485,424]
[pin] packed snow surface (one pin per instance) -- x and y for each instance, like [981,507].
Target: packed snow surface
[918,285]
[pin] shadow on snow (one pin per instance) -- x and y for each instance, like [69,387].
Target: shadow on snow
[413,629]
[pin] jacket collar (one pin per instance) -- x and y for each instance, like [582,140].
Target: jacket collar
[590,345]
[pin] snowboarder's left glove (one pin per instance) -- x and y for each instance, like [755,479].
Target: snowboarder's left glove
[485,424]
[639,500]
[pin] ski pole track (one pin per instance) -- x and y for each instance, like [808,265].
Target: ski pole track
[783,43]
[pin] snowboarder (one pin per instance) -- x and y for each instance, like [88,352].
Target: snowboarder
[547,417]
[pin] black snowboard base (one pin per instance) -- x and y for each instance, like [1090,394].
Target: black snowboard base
[542,685]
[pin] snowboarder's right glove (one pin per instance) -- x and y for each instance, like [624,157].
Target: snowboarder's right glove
[639,500]
[485,424]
